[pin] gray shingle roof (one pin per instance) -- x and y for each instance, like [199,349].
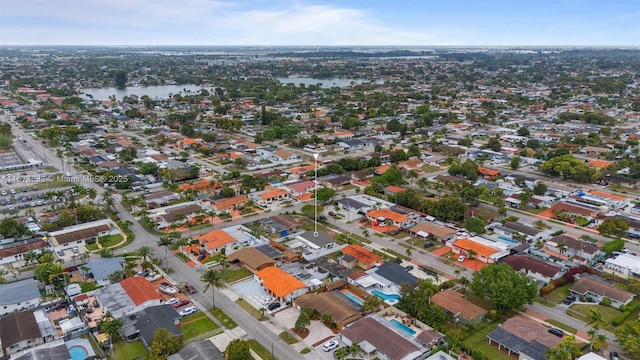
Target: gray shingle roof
[19,291]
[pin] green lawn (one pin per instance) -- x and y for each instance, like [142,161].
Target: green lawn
[111,240]
[223,318]
[232,276]
[478,341]
[251,310]
[200,227]
[608,313]
[128,351]
[559,293]
[197,327]
[183,257]
[260,350]
[92,247]
[288,338]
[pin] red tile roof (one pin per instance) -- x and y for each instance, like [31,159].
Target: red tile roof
[139,290]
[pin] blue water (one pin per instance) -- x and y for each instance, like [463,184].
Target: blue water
[402,326]
[78,353]
[354,298]
[384,296]
[506,239]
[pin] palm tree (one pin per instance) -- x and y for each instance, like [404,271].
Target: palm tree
[166,241]
[354,349]
[92,193]
[408,251]
[85,271]
[144,252]
[3,272]
[562,247]
[457,272]
[596,340]
[596,321]
[106,253]
[473,256]
[83,257]
[212,279]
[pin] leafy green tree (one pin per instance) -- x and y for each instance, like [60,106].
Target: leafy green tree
[303,321]
[417,303]
[523,131]
[615,245]
[371,304]
[628,334]
[227,192]
[475,224]
[212,279]
[147,168]
[128,154]
[567,349]
[568,167]
[515,162]
[540,189]
[163,344]
[120,79]
[325,194]
[110,325]
[506,288]
[494,144]
[614,227]
[238,350]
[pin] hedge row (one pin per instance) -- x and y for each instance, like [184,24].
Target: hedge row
[629,309]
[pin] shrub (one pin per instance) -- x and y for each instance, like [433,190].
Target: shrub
[605,301]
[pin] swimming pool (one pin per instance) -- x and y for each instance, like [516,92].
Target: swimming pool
[506,239]
[384,296]
[355,299]
[78,352]
[402,326]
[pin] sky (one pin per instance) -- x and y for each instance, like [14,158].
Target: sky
[321,22]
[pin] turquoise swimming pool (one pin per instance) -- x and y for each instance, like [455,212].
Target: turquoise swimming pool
[384,296]
[78,352]
[355,299]
[402,326]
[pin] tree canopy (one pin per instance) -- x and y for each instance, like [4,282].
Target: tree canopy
[628,334]
[238,350]
[506,288]
[568,167]
[164,343]
[614,227]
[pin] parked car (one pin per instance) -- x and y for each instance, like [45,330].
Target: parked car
[172,301]
[614,355]
[556,332]
[75,250]
[60,252]
[188,311]
[461,258]
[569,300]
[186,287]
[181,303]
[273,306]
[427,245]
[328,346]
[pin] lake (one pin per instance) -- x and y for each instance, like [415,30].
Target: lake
[154,92]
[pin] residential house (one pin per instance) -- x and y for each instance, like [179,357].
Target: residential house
[395,273]
[595,151]
[411,164]
[627,265]
[335,182]
[19,295]
[441,233]
[483,253]
[160,198]
[526,339]
[178,215]
[572,208]
[100,269]
[281,225]
[128,296]
[80,235]
[280,284]
[381,338]
[508,229]
[19,331]
[574,248]
[334,303]
[313,244]
[301,187]
[534,268]
[144,323]
[597,289]
[251,259]
[382,217]
[269,196]
[230,203]
[362,257]
[215,240]
[462,310]
[353,205]
[14,252]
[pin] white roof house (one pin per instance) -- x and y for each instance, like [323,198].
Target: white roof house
[624,264]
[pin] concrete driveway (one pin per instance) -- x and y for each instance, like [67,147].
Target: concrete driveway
[317,331]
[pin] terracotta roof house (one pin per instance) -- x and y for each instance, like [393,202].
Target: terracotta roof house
[229,203]
[534,268]
[380,216]
[341,312]
[483,252]
[598,289]
[364,258]
[215,240]
[300,187]
[573,208]
[455,304]
[269,196]
[280,283]
[251,258]
[128,296]
[19,331]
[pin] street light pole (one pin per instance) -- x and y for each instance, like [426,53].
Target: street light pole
[315,187]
